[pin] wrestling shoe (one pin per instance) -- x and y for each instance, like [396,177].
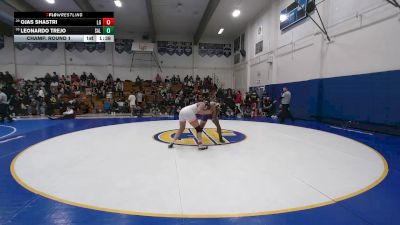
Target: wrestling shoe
[202,147]
[171,145]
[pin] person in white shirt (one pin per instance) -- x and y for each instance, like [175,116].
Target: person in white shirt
[139,98]
[188,114]
[41,93]
[4,107]
[285,102]
[132,103]
[68,114]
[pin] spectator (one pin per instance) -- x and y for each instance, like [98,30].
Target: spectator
[132,103]
[83,76]
[229,112]
[139,98]
[158,78]
[107,107]
[155,110]
[55,77]
[268,106]
[91,77]
[68,114]
[285,102]
[138,80]
[4,111]
[238,103]
[247,111]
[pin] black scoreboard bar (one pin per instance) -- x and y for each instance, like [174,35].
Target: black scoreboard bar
[46,15]
[63,26]
[58,30]
[57,22]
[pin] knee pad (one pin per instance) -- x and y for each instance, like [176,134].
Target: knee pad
[199,129]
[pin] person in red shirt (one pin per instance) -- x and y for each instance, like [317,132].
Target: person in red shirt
[238,102]
[158,78]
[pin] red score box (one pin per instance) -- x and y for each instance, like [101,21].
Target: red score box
[108,21]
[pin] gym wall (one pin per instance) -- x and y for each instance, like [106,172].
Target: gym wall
[354,77]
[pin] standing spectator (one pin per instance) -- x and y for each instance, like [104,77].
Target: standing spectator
[91,77]
[138,80]
[132,103]
[139,98]
[238,102]
[4,107]
[55,77]
[285,102]
[83,76]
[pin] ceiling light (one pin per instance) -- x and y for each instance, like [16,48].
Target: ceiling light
[118,3]
[283,17]
[236,13]
[220,31]
[50,1]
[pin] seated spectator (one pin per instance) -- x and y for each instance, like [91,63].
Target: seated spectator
[54,87]
[229,112]
[74,78]
[166,79]
[247,112]
[158,78]
[186,80]
[268,106]
[68,114]
[68,80]
[173,79]
[43,108]
[155,110]
[254,110]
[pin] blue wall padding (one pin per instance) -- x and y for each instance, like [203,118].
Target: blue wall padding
[370,98]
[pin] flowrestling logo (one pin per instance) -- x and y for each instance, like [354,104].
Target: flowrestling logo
[210,137]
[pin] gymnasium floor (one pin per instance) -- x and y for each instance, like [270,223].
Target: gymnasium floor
[120,171]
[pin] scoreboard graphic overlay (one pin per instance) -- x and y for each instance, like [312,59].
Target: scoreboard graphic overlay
[63,27]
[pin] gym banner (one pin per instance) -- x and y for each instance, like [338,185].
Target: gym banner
[123,45]
[82,46]
[52,46]
[211,49]
[174,47]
